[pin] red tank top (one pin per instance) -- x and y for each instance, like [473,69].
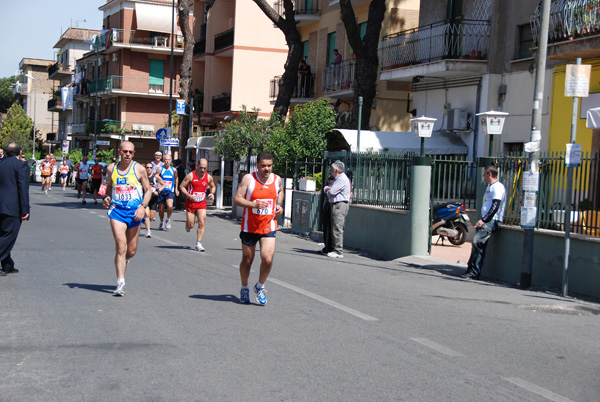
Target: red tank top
[261,221]
[197,188]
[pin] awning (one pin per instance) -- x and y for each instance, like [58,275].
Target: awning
[201,143]
[593,118]
[152,17]
[441,142]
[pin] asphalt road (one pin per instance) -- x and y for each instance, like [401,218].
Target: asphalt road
[355,329]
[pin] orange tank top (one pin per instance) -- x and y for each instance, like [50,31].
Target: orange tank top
[261,221]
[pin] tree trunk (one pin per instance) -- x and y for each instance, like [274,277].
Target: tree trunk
[185,79]
[287,25]
[367,61]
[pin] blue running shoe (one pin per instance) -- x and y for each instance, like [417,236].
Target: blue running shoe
[261,295]
[245,296]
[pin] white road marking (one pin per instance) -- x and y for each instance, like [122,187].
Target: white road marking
[436,346]
[165,240]
[537,390]
[322,299]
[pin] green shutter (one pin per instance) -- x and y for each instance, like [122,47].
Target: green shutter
[330,47]
[157,72]
[363,29]
[305,50]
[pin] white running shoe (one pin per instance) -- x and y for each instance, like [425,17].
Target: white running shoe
[148,234]
[199,246]
[120,290]
[168,225]
[333,254]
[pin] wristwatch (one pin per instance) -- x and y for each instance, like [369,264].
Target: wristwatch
[144,205]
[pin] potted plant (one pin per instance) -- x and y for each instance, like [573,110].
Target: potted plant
[307,183]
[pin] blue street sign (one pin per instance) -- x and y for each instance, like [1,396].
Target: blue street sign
[180,107]
[162,134]
[171,142]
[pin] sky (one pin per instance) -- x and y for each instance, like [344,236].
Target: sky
[31,28]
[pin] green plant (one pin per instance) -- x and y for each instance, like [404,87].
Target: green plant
[586,205]
[17,127]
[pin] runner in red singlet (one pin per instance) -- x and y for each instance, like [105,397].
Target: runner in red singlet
[261,195]
[193,187]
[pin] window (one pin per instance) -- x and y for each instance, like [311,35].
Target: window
[330,47]
[305,50]
[525,41]
[156,75]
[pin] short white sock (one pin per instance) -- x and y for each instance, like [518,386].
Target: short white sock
[168,219]
[245,288]
[260,285]
[121,281]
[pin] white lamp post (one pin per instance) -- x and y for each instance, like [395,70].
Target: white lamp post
[423,127]
[34,102]
[492,123]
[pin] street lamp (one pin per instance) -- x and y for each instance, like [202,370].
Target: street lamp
[423,127]
[34,102]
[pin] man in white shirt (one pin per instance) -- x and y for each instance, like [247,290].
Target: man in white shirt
[492,213]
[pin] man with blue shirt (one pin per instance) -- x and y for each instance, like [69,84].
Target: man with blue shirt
[492,213]
[338,194]
[168,190]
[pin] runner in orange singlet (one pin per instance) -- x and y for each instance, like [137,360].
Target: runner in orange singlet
[193,187]
[261,195]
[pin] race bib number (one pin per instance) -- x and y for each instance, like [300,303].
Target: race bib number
[152,189]
[264,211]
[199,197]
[123,193]
[168,184]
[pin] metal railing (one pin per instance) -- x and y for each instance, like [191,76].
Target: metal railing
[200,46]
[20,88]
[452,179]
[130,84]
[133,37]
[569,19]
[338,77]
[301,7]
[305,87]
[224,39]
[221,103]
[208,133]
[378,179]
[116,127]
[552,195]
[56,104]
[465,39]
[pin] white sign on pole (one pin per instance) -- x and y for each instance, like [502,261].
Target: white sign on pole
[531,181]
[180,107]
[171,142]
[573,155]
[102,142]
[577,80]
[65,147]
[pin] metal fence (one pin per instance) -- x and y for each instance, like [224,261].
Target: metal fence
[453,178]
[378,179]
[552,195]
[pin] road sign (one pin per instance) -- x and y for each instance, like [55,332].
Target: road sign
[65,147]
[102,142]
[162,134]
[171,142]
[180,107]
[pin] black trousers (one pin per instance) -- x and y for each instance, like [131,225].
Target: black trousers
[327,235]
[9,230]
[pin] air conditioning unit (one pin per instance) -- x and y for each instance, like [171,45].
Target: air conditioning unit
[457,119]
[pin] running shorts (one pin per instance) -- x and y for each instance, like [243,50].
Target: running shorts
[250,239]
[126,216]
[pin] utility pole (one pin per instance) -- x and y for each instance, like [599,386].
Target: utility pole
[535,136]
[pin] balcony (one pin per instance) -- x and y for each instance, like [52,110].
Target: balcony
[20,88]
[304,91]
[142,41]
[224,40]
[338,80]
[56,105]
[118,128]
[449,48]
[200,49]
[305,11]
[57,72]
[76,129]
[115,85]
[221,103]
[574,29]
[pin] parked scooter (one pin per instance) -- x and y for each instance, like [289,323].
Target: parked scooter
[450,221]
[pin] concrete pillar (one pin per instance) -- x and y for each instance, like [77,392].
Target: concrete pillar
[419,205]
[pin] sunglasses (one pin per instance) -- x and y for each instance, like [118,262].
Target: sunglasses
[148,167]
[127,151]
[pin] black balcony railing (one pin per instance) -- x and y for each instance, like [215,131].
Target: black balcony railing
[301,7]
[305,87]
[55,104]
[224,40]
[568,20]
[200,47]
[221,103]
[466,39]
[338,77]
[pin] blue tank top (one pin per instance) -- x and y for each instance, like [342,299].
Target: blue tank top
[168,176]
[127,192]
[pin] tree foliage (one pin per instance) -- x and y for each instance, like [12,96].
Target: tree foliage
[17,127]
[249,132]
[6,94]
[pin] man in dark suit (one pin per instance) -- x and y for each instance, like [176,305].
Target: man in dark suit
[14,203]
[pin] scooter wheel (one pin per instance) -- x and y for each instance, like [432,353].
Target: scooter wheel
[462,235]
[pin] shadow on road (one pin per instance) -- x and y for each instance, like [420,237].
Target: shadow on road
[220,298]
[88,286]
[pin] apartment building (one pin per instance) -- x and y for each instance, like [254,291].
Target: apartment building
[237,52]
[32,90]
[125,80]
[72,45]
